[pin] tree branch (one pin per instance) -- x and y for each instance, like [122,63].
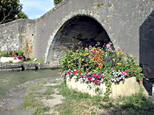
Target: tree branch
[5,16]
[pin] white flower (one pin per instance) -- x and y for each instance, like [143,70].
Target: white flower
[115,75]
[67,75]
[86,80]
[93,79]
[74,77]
[102,80]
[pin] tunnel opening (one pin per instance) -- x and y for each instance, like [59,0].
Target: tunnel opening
[79,28]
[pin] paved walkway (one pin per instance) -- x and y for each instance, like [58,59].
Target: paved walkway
[13,101]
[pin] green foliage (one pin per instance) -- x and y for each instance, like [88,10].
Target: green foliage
[57,1]
[22,15]
[72,94]
[10,10]
[136,102]
[6,53]
[11,53]
[20,53]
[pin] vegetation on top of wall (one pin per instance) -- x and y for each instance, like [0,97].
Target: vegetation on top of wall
[57,1]
[11,10]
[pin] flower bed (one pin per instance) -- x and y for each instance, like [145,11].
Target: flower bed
[11,56]
[96,65]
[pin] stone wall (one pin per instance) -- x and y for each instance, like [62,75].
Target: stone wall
[17,35]
[9,36]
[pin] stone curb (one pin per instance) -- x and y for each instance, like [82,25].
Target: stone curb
[26,66]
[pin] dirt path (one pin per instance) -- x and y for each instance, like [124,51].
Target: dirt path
[12,102]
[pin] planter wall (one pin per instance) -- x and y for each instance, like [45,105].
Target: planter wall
[9,59]
[127,88]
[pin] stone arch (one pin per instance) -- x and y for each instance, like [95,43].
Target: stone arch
[81,27]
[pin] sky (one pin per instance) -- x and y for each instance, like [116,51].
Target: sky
[36,8]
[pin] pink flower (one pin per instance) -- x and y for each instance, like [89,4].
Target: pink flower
[98,82]
[82,76]
[90,47]
[103,77]
[108,45]
[127,70]
[69,72]
[86,49]
[123,73]
[95,81]
[90,78]
[95,74]
[19,57]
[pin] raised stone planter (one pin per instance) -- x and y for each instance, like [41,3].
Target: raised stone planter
[9,59]
[127,88]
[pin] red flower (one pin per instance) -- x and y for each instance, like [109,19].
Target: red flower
[133,69]
[77,70]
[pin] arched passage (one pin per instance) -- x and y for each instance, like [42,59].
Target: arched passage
[79,28]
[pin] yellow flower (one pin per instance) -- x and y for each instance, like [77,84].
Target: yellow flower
[120,52]
[74,54]
[85,54]
[92,59]
[95,71]
[119,63]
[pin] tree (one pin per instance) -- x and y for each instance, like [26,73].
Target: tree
[57,1]
[22,15]
[10,10]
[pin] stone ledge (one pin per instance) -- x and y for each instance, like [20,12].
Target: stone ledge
[25,66]
[127,88]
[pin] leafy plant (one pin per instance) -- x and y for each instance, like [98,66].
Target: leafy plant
[20,53]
